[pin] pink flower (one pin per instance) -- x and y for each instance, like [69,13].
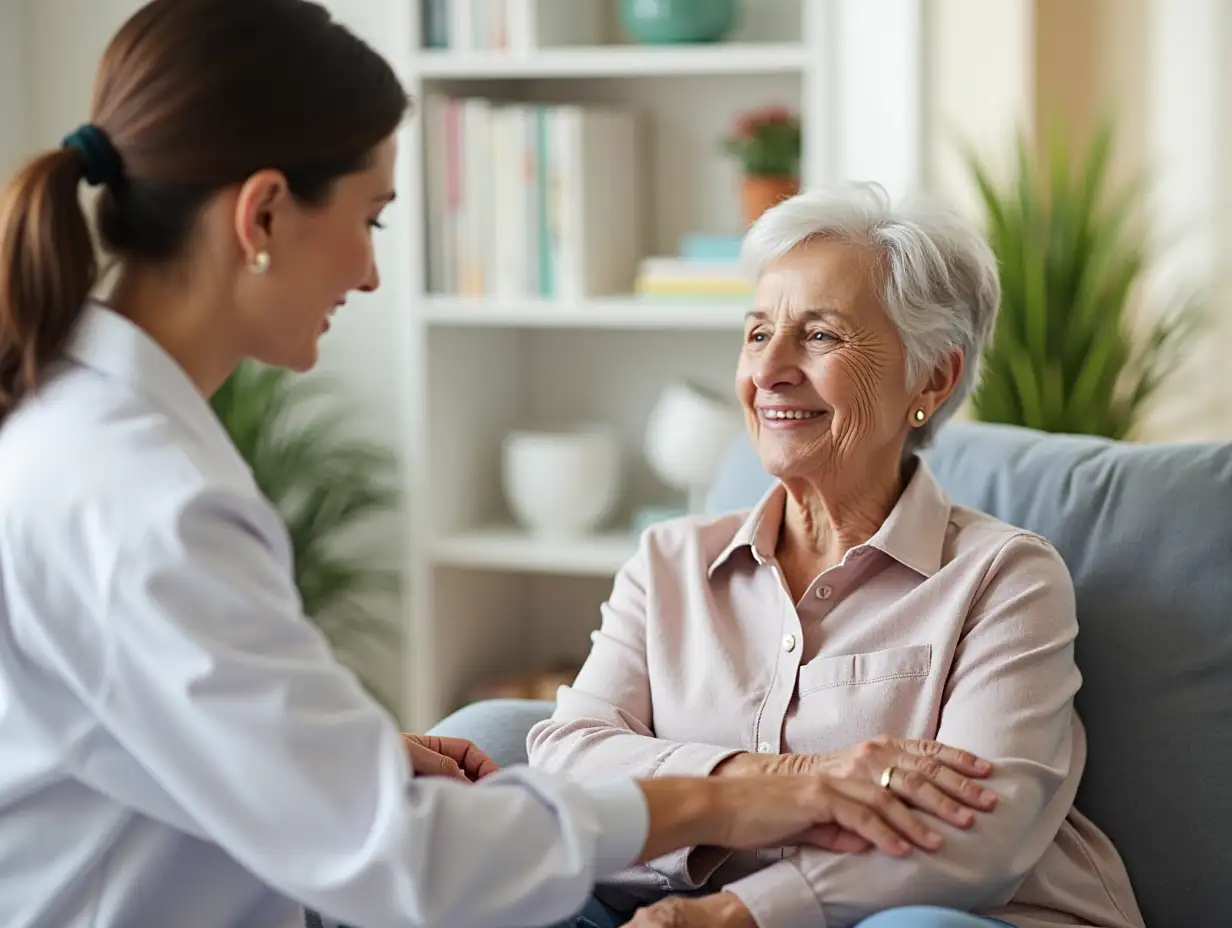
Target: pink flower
[748,123]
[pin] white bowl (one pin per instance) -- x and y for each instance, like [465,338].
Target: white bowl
[561,484]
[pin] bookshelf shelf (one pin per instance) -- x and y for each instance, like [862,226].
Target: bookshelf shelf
[597,313]
[507,548]
[615,61]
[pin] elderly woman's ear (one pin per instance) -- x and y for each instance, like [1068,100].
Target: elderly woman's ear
[939,388]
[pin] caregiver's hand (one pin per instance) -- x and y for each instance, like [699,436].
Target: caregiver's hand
[433,756]
[928,775]
[746,813]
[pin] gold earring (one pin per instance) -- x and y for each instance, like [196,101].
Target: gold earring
[919,415]
[260,262]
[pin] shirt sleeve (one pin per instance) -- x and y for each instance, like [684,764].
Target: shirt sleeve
[604,723]
[1009,698]
[233,704]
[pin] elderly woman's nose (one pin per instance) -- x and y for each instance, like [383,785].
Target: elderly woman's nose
[778,365]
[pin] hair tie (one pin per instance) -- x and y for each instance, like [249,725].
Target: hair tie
[98,156]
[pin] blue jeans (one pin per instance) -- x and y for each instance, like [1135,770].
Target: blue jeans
[598,915]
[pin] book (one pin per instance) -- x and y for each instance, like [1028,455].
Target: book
[531,201]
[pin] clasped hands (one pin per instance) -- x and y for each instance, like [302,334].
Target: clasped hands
[925,776]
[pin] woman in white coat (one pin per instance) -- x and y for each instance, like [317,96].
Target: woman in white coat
[178,746]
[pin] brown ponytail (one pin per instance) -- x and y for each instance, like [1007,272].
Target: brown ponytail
[47,269]
[191,97]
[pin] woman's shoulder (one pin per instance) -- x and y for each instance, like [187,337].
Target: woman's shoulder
[690,542]
[1002,546]
[81,460]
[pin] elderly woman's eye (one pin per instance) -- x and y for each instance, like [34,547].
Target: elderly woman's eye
[819,336]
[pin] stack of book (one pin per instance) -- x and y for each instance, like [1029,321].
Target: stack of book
[531,201]
[692,280]
[706,270]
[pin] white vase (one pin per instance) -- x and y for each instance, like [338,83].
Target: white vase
[561,484]
[689,432]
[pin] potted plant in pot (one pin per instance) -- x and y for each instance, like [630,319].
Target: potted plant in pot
[1067,355]
[326,487]
[767,143]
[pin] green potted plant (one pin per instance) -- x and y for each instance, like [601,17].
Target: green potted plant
[767,144]
[326,486]
[1067,355]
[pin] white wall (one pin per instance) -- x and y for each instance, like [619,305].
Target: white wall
[64,40]
[14,140]
[1188,110]
[978,87]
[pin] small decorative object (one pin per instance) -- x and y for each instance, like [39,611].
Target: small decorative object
[673,22]
[687,436]
[767,144]
[561,484]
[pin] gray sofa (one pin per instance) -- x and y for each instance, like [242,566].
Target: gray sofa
[1147,533]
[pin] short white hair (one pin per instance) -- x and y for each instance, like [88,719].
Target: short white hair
[941,287]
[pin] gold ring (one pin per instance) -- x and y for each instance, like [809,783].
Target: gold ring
[886,776]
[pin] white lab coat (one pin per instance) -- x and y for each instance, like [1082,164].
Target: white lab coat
[178,745]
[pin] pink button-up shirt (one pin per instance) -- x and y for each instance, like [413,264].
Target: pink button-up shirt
[947,624]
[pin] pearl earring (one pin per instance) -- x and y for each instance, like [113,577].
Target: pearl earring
[260,262]
[919,415]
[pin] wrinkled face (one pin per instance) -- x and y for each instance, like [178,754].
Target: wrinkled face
[822,370]
[318,254]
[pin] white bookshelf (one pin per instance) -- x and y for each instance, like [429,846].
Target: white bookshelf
[619,312]
[484,598]
[750,58]
[504,548]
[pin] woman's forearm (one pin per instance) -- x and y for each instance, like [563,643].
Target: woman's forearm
[587,736]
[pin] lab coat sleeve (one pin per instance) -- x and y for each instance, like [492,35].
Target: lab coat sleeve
[231,700]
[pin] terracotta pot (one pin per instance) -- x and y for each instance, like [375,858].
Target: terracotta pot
[759,193]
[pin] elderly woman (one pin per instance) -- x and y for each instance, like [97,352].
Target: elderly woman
[854,620]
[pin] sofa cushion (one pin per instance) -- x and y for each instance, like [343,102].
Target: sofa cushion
[1147,533]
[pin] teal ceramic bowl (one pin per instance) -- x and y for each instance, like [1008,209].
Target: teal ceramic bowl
[672,22]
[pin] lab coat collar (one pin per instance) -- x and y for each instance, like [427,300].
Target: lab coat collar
[120,350]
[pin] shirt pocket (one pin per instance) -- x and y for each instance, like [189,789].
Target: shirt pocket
[826,673]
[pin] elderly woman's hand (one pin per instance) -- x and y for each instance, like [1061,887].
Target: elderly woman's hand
[928,775]
[722,910]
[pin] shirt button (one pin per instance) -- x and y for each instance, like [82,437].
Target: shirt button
[764,747]
[823,592]
[789,643]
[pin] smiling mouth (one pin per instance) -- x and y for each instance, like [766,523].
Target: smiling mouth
[787,415]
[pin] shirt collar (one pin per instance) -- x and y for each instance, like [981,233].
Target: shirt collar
[119,349]
[915,530]
[759,532]
[913,534]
